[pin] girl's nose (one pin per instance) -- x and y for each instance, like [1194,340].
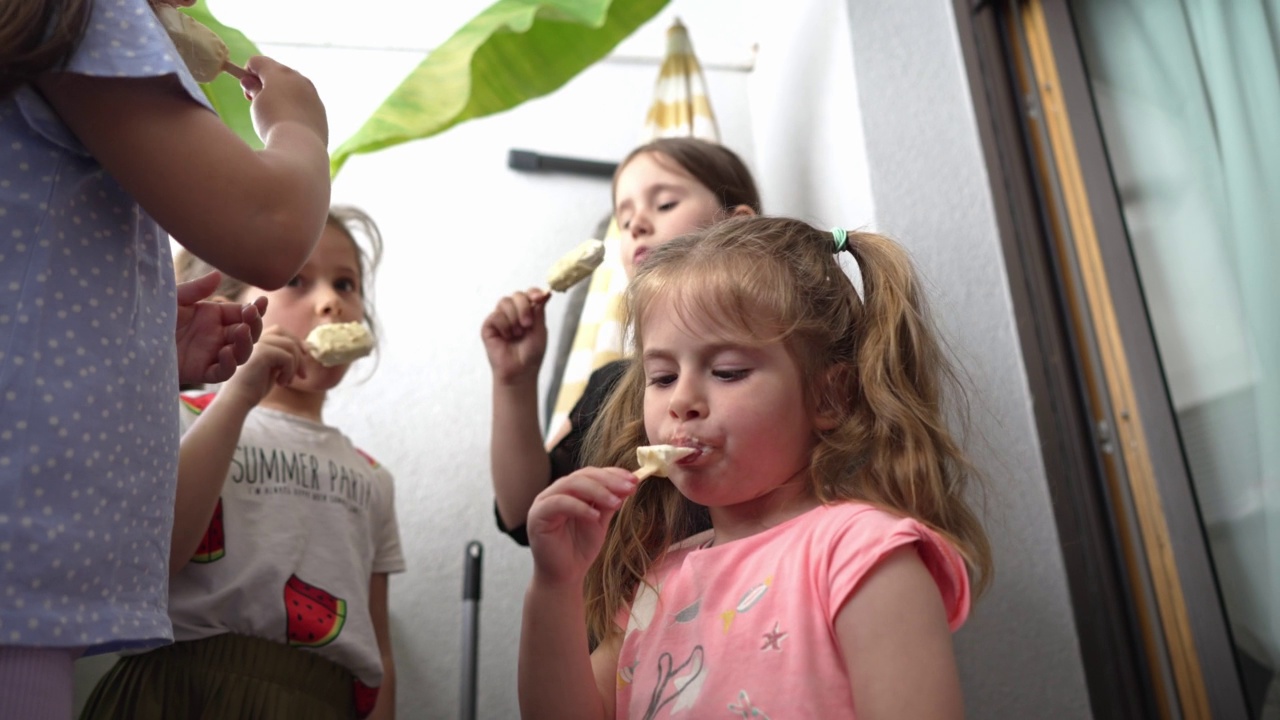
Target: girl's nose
[687,402]
[328,303]
[640,226]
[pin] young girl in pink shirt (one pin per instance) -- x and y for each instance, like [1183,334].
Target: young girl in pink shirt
[841,548]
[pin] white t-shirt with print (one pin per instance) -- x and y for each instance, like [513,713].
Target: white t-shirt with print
[303,521]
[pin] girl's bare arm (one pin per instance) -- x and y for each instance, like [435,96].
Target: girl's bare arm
[253,214]
[897,645]
[558,680]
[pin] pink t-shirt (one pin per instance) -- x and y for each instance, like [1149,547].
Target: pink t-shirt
[747,629]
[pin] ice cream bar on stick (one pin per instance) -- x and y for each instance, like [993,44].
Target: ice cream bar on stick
[339,343]
[657,459]
[576,265]
[201,49]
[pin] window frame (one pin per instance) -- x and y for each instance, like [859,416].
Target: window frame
[1148,614]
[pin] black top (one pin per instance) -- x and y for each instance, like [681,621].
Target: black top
[566,456]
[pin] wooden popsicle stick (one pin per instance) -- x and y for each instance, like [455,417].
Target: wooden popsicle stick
[234,70]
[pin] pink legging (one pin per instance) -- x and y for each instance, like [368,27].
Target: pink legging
[37,683]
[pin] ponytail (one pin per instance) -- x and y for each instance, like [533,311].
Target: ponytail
[37,36]
[909,461]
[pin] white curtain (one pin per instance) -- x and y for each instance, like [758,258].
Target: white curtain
[1188,94]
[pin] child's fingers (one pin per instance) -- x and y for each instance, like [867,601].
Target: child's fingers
[537,297]
[280,337]
[261,65]
[282,375]
[251,84]
[529,305]
[223,368]
[255,68]
[598,487]
[285,365]
[519,310]
[240,343]
[282,353]
[588,497]
[507,321]
[501,322]
[297,359]
[251,316]
[193,291]
[301,354]
[558,509]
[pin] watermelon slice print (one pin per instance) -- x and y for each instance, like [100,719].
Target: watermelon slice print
[197,403]
[213,545]
[315,616]
[366,697]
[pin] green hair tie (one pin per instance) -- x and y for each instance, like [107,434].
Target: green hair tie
[842,238]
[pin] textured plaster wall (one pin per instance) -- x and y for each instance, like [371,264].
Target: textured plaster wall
[1019,655]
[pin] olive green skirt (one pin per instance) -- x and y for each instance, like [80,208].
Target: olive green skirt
[229,677]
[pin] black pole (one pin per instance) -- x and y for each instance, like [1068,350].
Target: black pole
[534,162]
[470,627]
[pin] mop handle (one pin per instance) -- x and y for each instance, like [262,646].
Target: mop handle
[470,627]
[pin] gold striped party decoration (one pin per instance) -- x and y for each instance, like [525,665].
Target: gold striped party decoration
[680,104]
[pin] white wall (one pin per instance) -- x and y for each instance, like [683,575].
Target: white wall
[462,230]
[1019,657]
[810,155]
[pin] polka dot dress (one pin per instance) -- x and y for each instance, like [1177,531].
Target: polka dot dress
[88,410]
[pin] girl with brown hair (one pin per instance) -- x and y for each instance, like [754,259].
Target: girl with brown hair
[661,190]
[841,544]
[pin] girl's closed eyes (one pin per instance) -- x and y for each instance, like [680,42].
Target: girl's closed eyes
[731,368]
[731,375]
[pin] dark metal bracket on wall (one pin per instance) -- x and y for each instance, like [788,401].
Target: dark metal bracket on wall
[530,161]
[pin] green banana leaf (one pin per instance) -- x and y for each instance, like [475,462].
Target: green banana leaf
[513,51]
[224,92]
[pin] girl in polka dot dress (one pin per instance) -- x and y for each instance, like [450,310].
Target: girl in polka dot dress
[106,143]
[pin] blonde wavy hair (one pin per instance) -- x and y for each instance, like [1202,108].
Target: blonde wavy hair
[873,362]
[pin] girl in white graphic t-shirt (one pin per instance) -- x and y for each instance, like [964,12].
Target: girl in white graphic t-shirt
[284,534]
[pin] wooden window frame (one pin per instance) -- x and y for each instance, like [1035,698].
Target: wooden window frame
[1150,621]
